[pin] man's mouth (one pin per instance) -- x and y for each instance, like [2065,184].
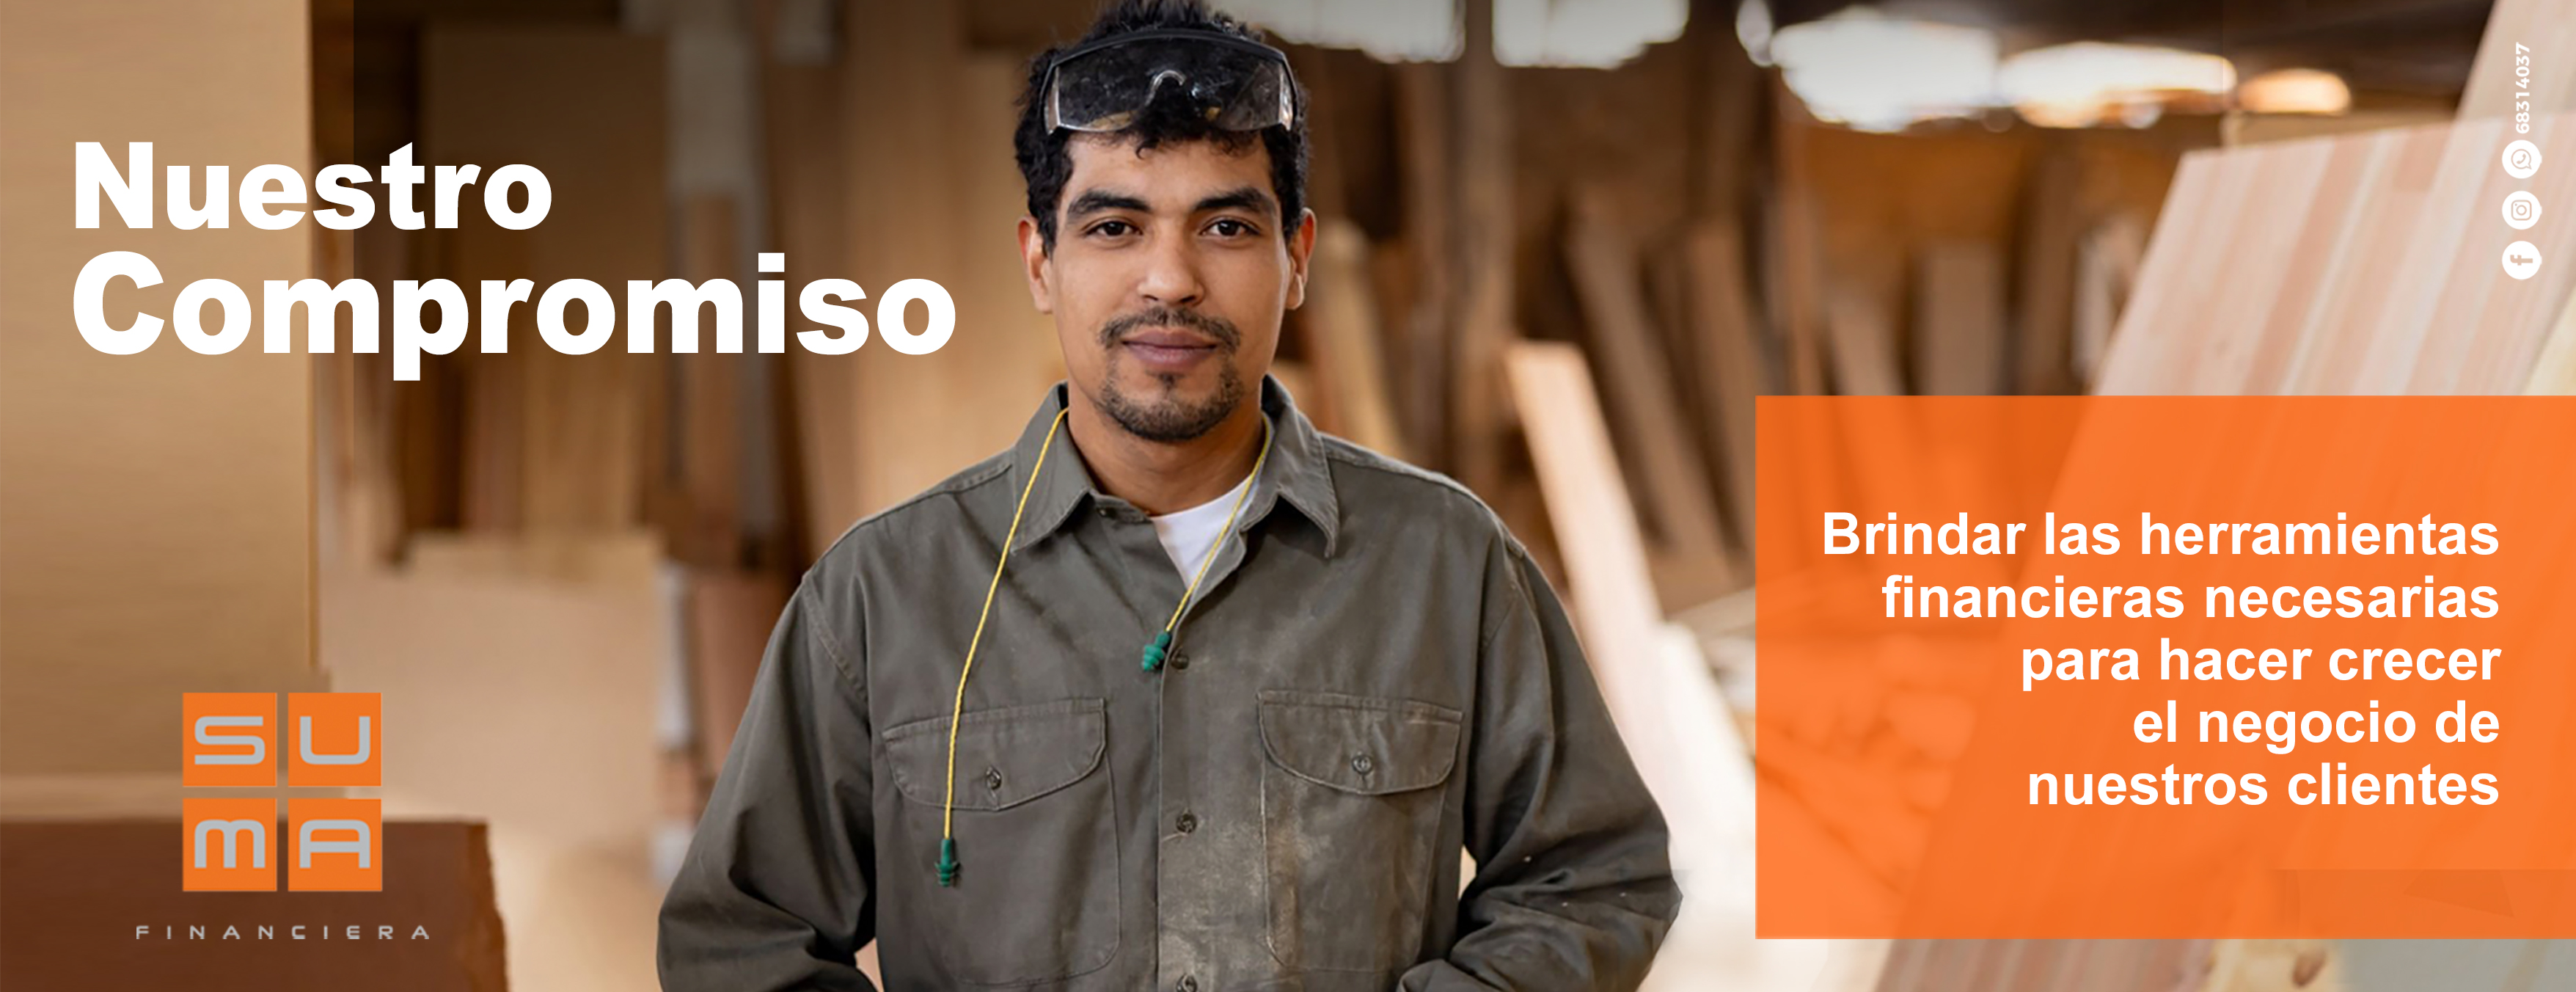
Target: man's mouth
[1168,349]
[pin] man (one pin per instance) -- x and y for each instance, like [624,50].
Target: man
[1177,693]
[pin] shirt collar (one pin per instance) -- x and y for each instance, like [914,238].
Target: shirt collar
[1296,472]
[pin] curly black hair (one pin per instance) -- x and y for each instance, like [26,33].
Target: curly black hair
[1045,164]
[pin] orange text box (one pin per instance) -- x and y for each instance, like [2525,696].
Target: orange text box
[2166,667]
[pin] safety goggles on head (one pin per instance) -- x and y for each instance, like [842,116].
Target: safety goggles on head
[1233,84]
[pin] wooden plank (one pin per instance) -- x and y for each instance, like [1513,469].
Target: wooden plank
[1424,146]
[703,517]
[2547,31]
[2136,358]
[1795,261]
[2384,211]
[494,459]
[1604,262]
[2292,324]
[2106,271]
[1341,310]
[2452,221]
[729,618]
[2554,373]
[805,159]
[2261,262]
[1604,551]
[901,86]
[2044,306]
[1486,321]
[1657,688]
[1732,369]
[1959,319]
[1863,333]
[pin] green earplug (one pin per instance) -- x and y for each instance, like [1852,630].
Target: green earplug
[1154,652]
[948,862]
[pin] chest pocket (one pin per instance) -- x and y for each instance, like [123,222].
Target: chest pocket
[1037,897]
[1350,816]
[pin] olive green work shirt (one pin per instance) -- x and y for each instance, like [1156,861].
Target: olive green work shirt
[1374,676]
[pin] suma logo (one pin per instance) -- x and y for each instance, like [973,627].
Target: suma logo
[230,740]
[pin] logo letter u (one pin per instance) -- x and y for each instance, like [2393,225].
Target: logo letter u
[304,744]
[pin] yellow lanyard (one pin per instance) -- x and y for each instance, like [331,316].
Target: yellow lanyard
[1154,652]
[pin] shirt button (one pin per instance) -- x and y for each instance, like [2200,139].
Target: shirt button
[1363,764]
[1180,661]
[1187,984]
[1106,513]
[1186,822]
[993,779]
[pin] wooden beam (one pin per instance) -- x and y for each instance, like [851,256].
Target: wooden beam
[1341,311]
[1604,261]
[1959,319]
[2106,272]
[1862,324]
[1422,92]
[729,616]
[2043,309]
[1613,594]
[1796,257]
[2554,373]
[1732,369]
[1486,323]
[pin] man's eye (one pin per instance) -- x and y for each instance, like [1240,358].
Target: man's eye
[1230,228]
[1113,229]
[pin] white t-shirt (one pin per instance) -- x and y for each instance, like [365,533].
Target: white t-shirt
[1188,534]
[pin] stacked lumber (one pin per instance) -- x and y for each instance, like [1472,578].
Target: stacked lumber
[2359,264]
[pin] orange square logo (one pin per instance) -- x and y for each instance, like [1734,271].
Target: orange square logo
[230,845]
[335,845]
[228,739]
[337,739]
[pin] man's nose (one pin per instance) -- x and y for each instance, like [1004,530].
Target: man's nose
[1172,274]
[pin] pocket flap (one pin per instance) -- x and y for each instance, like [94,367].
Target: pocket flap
[1358,744]
[1005,756]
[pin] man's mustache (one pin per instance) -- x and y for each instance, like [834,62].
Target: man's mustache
[1221,329]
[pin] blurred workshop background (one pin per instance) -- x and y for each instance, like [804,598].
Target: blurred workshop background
[1564,245]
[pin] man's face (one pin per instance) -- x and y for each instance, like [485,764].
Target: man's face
[1167,281]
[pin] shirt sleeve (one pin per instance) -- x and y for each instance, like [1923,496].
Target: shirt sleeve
[776,891]
[1574,885]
